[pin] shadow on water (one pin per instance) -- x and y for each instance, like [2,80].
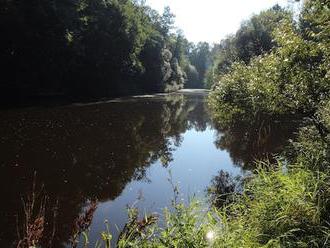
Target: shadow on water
[86,152]
[264,138]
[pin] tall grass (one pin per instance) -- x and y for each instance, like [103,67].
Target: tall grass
[280,207]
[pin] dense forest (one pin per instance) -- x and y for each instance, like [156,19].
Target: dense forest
[82,49]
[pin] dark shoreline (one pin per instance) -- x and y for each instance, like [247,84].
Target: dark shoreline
[55,100]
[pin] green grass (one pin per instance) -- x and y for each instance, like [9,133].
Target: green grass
[280,207]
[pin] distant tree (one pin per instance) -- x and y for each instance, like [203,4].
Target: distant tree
[199,60]
[167,21]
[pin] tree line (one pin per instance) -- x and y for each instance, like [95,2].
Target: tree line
[91,49]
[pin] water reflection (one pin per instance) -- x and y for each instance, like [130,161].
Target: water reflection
[109,151]
[260,139]
[87,152]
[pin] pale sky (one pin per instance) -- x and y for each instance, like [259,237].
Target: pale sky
[212,20]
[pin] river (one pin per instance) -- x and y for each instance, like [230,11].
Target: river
[121,152]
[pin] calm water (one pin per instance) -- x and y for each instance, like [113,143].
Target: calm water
[119,152]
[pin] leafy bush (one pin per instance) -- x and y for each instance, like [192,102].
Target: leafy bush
[292,79]
[283,205]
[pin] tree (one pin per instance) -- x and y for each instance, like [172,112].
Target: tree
[199,58]
[254,38]
[86,49]
[167,21]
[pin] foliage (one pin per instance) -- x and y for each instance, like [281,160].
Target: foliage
[183,227]
[313,143]
[254,38]
[83,48]
[279,208]
[199,57]
[292,79]
[286,204]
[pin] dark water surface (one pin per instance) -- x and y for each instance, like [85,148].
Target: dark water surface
[119,152]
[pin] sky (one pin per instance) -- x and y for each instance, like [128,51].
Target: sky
[212,20]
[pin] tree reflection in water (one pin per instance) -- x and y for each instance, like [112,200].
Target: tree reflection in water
[248,142]
[263,138]
[86,152]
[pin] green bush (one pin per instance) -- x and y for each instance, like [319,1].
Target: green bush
[292,79]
